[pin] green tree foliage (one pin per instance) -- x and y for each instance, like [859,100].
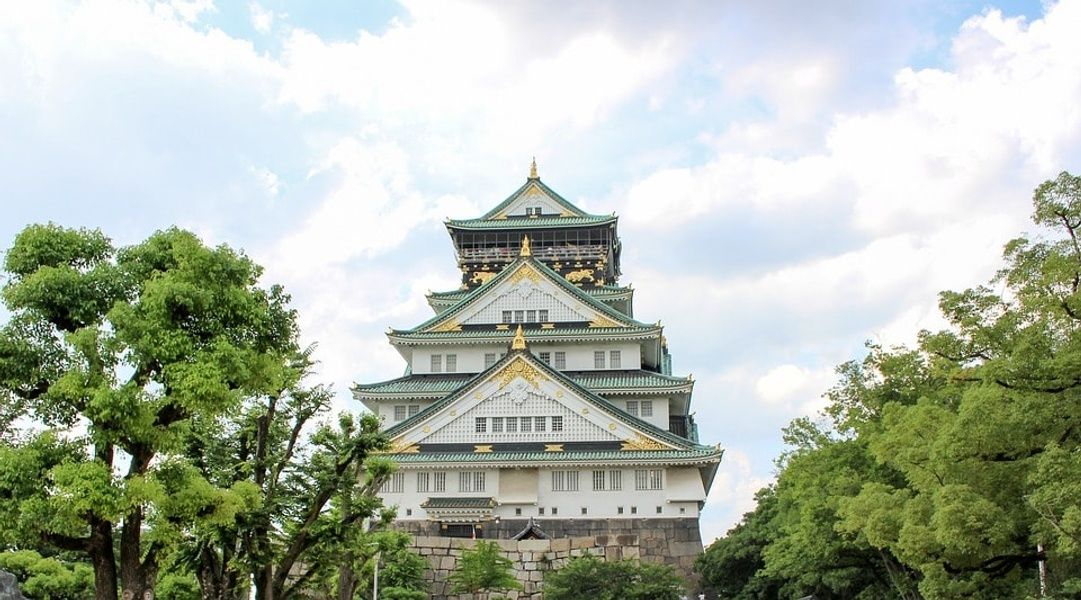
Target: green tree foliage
[114,352]
[483,569]
[313,487]
[957,463]
[589,578]
[401,570]
[42,578]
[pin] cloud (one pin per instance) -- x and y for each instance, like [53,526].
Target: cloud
[732,494]
[262,19]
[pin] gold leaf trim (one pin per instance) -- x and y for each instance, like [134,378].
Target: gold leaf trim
[448,325]
[603,321]
[553,447]
[641,442]
[520,368]
[526,271]
[482,448]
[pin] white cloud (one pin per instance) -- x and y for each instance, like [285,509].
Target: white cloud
[732,494]
[262,18]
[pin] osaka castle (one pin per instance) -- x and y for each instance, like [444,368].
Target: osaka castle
[533,402]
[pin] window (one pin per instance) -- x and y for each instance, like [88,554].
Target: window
[598,359]
[394,484]
[489,359]
[519,316]
[497,424]
[632,407]
[471,481]
[619,510]
[540,510]
[517,512]
[634,510]
[506,316]
[399,412]
[512,424]
[649,479]
[409,512]
[557,423]
[561,360]
[527,424]
[546,357]
[607,480]
[414,409]
[538,424]
[614,359]
[682,510]
[615,480]
[564,481]
[555,510]
[542,315]
[531,316]
[481,425]
[584,510]
[437,363]
[533,211]
[647,408]
[659,510]
[424,482]
[452,363]
[439,481]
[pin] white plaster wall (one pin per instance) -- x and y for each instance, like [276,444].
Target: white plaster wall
[660,410]
[579,356]
[386,410]
[600,504]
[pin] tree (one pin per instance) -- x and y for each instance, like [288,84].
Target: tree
[589,578]
[114,352]
[483,569]
[314,486]
[733,565]
[49,578]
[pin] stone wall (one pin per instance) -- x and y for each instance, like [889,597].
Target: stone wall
[675,542]
[672,541]
[531,559]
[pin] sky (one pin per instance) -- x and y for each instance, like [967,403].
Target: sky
[793,179]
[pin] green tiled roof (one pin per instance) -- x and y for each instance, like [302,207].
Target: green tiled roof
[599,291]
[572,289]
[560,200]
[588,396]
[592,380]
[458,502]
[703,452]
[531,222]
[504,336]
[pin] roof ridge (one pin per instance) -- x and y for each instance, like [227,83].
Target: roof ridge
[567,204]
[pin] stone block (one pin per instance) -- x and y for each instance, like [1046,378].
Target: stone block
[534,545]
[561,544]
[582,542]
[627,540]
[508,545]
[685,549]
[536,576]
[462,543]
[613,553]
[448,563]
[631,552]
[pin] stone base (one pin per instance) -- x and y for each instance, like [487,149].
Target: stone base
[671,541]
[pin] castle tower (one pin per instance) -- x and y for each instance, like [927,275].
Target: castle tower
[534,401]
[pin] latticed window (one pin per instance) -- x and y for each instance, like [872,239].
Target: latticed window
[649,479]
[437,363]
[538,424]
[394,484]
[564,481]
[399,412]
[471,481]
[598,481]
[424,482]
[542,314]
[546,357]
[598,359]
[527,424]
[439,481]
[615,480]
[557,423]
[632,407]
[647,408]
[506,316]
[519,316]
[480,425]
[512,424]
[614,359]
[452,363]
[497,424]
[561,360]
[414,409]
[489,359]
[531,316]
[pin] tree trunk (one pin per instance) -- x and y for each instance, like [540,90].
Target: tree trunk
[138,575]
[100,550]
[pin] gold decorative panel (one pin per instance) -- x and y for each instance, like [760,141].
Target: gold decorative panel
[519,368]
[641,442]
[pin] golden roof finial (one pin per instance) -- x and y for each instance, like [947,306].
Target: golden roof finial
[533,169]
[519,340]
[525,251]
